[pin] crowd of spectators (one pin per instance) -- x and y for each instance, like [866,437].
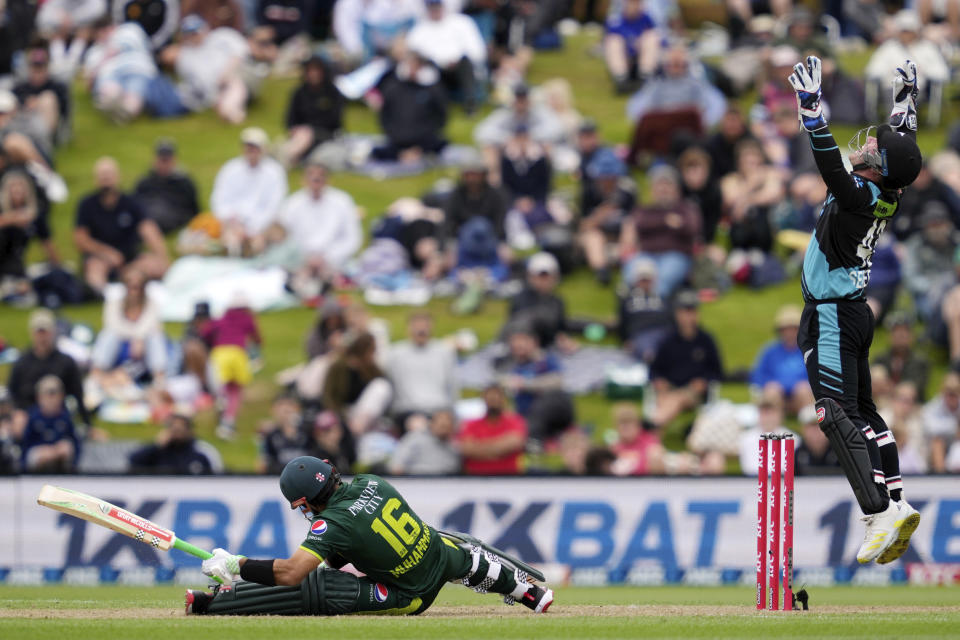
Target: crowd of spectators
[704,195]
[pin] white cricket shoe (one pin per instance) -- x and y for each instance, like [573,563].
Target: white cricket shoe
[910,520]
[881,533]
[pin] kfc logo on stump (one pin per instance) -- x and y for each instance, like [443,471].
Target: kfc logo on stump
[319,527]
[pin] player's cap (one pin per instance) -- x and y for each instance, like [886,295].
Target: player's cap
[42,320]
[521,90]
[165,147]
[687,299]
[432,3]
[8,101]
[255,136]
[308,479]
[192,24]
[542,263]
[900,158]
[934,213]
[787,316]
[606,164]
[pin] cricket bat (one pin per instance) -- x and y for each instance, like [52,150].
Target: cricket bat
[112,517]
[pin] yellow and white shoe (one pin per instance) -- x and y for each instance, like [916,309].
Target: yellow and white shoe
[881,533]
[910,520]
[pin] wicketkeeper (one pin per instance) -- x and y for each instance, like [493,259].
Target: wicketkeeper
[837,324]
[368,524]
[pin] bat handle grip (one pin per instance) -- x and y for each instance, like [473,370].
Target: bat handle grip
[185,546]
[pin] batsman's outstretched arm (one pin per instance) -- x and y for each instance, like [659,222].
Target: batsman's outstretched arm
[285,572]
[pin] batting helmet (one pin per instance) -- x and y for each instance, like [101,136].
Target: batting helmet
[897,158]
[308,479]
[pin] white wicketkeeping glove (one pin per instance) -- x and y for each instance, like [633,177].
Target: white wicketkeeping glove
[223,566]
[805,81]
[905,92]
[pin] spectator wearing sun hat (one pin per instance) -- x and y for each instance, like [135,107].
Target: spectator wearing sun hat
[644,317]
[247,193]
[780,370]
[539,305]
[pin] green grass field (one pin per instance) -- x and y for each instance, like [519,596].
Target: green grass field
[741,320]
[148,613]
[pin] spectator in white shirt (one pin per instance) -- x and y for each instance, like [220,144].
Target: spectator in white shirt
[132,330]
[209,66]
[365,28]
[453,42]
[422,371]
[323,222]
[119,69]
[247,194]
[58,17]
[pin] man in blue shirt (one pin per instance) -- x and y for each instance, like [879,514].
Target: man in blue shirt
[50,443]
[780,368]
[631,46]
[534,378]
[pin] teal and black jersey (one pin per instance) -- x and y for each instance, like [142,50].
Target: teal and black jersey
[856,212]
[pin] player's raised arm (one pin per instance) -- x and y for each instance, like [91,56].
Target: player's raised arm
[805,81]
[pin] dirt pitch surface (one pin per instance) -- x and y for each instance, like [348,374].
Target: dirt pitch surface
[499,611]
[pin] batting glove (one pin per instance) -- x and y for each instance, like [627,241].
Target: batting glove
[905,92]
[223,567]
[805,80]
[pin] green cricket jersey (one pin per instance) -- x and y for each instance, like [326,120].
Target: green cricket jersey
[371,526]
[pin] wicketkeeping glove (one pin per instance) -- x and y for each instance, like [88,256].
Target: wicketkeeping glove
[805,80]
[223,566]
[905,92]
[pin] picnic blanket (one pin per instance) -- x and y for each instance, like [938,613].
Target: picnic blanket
[218,281]
[584,370]
[351,153]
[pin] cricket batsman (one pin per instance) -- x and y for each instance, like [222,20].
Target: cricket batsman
[367,523]
[837,325]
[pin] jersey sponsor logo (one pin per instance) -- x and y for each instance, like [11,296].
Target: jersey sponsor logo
[369,500]
[884,209]
[380,592]
[319,527]
[320,477]
[821,414]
